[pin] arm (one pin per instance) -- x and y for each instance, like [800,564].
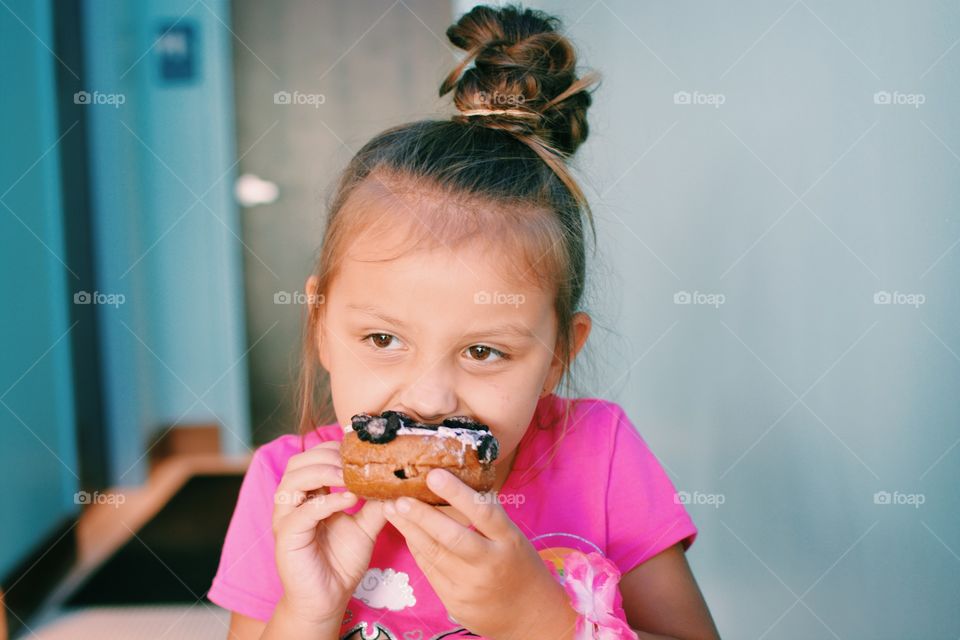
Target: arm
[662,600]
[244,627]
[285,625]
[280,625]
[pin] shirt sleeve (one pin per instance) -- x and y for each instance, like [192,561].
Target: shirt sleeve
[644,516]
[247,580]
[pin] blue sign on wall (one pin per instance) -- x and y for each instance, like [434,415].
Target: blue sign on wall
[176,48]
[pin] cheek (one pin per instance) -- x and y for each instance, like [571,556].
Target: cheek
[351,358]
[355,384]
[509,407]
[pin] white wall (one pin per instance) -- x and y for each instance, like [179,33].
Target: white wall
[797,199]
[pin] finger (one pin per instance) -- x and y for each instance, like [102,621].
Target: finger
[486,515]
[439,573]
[450,534]
[300,527]
[296,484]
[312,477]
[441,576]
[429,554]
[324,453]
[370,518]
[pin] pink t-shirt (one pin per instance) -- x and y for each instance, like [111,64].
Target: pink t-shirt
[603,491]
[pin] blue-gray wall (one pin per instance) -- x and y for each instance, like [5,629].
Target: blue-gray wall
[798,398]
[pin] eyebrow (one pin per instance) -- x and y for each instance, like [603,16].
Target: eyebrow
[505,329]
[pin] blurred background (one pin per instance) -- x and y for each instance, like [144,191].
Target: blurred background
[775,293]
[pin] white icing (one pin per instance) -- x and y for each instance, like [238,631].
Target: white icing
[466,436]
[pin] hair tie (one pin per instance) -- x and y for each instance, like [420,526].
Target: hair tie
[519,113]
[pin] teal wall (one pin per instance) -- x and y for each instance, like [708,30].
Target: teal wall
[37,442]
[166,239]
[167,228]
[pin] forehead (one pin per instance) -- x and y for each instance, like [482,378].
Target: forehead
[423,254]
[392,217]
[436,286]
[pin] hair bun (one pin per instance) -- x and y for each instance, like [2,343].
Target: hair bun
[524,72]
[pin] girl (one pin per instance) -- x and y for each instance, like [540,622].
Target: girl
[448,283]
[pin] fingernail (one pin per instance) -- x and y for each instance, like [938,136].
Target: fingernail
[389,508]
[403,505]
[348,495]
[436,479]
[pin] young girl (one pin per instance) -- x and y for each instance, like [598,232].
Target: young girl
[448,283]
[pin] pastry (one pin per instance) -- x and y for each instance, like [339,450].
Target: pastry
[389,455]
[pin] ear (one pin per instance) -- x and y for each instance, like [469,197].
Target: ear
[580,326]
[312,287]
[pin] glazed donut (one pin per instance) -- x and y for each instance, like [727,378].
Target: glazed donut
[389,455]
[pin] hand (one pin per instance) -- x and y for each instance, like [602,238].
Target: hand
[492,581]
[321,553]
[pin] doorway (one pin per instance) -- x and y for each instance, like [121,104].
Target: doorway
[313,82]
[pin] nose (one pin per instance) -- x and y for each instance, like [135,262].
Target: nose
[430,396]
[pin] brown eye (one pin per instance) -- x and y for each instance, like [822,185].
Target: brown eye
[481,353]
[381,340]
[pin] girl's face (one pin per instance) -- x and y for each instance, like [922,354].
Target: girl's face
[437,333]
